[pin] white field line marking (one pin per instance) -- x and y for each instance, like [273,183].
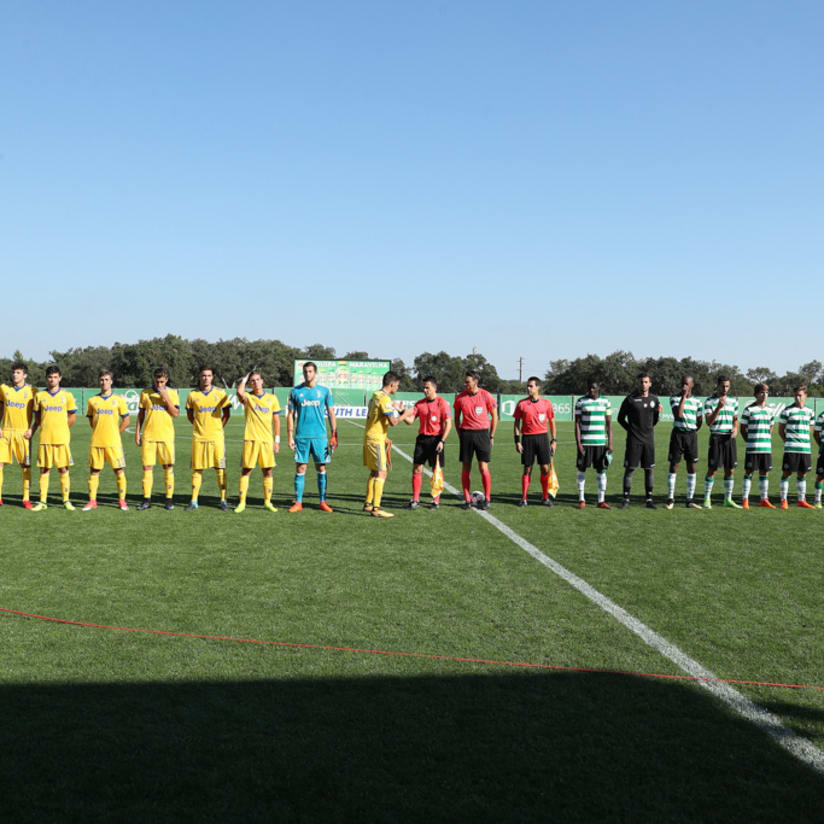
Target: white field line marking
[803,749]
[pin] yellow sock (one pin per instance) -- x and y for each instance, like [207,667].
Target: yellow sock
[65,485]
[268,488]
[44,487]
[244,488]
[147,483]
[169,481]
[379,482]
[370,489]
[197,480]
[121,485]
[221,483]
[26,482]
[94,482]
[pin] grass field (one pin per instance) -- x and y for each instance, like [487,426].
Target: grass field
[102,723]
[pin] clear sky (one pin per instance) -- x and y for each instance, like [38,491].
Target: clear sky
[537,179]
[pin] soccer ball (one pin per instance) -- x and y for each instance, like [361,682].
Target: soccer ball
[477,498]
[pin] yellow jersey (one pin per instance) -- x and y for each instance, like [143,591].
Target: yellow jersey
[158,424]
[54,412]
[18,407]
[207,408]
[260,410]
[105,413]
[377,416]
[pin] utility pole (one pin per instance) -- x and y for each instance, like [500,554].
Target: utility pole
[521,369]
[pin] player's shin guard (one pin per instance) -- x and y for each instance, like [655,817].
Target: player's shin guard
[729,487]
[221,483]
[545,484]
[671,477]
[764,486]
[26,482]
[649,478]
[602,486]
[783,488]
[268,488]
[746,486]
[417,481]
[692,482]
[370,489]
[44,486]
[709,482]
[169,482]
[525,479]
[378,491]
[801,488]
[65,485]
[486,479]
[322,485]
[121,485]
[243,488]
[466,480]
[581,479]
[300,484]
[147,483]
[94,483]
[197,481]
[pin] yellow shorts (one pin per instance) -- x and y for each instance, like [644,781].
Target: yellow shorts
[152,452]
[14,446]
[99,456]
[209,454]
[374,455]
[49,455]
[258,453]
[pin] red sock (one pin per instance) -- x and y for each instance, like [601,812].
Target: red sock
[545,484]
[417,479]
[525,479]
[465,481]
[487,482]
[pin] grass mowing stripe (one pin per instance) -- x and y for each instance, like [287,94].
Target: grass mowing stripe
[800,747]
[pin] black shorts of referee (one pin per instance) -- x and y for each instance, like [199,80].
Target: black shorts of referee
[683,444]
[474,442]
[723,451]
[639,452]
[536,447]
[426,450]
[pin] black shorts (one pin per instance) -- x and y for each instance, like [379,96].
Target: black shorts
[474,442]
[426,447]
[762,461]
[798,462]
[639,452]
[536,447]
[683,444]
[595,456]
[723,451]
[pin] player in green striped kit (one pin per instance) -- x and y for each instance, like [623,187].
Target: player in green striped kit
[593,437]
[795,425]
[756,430]
[721,416]
[687,414]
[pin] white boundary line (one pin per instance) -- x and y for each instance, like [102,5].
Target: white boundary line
[802,748]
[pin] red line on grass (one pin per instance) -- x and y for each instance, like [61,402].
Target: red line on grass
[426,655]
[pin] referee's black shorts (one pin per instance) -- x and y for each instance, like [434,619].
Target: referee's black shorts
[639,452]
[474,443]
[426,450]
[536,447]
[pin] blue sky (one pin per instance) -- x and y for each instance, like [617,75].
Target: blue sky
[536,179]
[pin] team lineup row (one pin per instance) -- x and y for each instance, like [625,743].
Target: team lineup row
[52,411]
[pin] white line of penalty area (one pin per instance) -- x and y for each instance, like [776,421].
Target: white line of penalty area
[803,749]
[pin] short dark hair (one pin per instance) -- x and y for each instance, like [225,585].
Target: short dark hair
[643,375]
[534,378]
[161,372]
[312,364]
[430,379]
[103,372]
[800,387]
[256,372]
[474,374]
[54,369]
[206,367]
[390,377]
[722,379]
[759,386]
[20,365]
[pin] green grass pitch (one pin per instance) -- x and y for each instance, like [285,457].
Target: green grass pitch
[104,724]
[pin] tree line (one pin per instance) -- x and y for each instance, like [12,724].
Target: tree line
[132,364]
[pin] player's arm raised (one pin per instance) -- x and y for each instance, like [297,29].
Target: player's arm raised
[241,387]
[173,410]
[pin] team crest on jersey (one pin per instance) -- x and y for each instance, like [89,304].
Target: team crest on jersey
[541,417]
[478,410]
[433,418]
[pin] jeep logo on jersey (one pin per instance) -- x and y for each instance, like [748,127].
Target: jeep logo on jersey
[541,417]
[478,410]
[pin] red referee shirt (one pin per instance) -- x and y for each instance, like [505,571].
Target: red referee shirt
[535,415]
[473,411]
[433,415]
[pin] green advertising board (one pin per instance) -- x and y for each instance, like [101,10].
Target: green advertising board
[365,375]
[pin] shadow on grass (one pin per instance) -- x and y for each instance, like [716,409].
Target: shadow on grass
[513,747]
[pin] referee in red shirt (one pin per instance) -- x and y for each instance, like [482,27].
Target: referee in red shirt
[436,423]
[476,417]
[534,419]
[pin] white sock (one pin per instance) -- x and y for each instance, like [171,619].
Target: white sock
[783,488]
[818,491]
[764,486]
[602,486]
[708,484]
[691,481]
[581,483]
[746,485]
[671,484]
[801,488]
[729,486]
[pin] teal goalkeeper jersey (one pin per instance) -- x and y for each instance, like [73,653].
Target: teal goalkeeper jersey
[758,421]
[797,420]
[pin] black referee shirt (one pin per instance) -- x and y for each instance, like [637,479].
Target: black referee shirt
[638,415]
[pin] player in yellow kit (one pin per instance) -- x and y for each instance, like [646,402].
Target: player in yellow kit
[208,411]
[158,408]
[108,416]
[54,413]
[381,414]
[261,439]
[16,413]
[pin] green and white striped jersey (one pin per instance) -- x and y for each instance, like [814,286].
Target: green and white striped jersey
[692,411]
[723,423]
[797,420]
[593,417]
[758,421]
